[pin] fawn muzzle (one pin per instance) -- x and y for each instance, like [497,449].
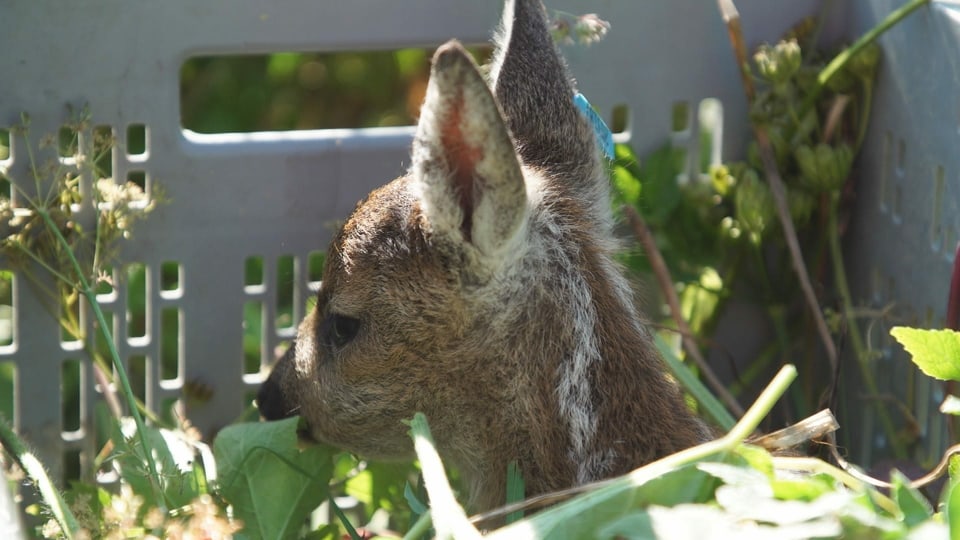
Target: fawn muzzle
[271,401]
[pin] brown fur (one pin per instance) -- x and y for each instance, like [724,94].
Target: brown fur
[485,296]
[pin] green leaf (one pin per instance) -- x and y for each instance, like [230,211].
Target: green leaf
[272,484]
[914,506]
[626,176]
[627,186]
[661,192]
[806,489]
[935,352]
[951,509]
[380,485]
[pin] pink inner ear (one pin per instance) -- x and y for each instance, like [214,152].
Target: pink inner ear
[462,159]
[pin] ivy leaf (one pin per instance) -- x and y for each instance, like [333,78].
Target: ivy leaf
[935,352]
[272,484]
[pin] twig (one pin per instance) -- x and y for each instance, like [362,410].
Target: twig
[732,19]
[642,232]
[938,471]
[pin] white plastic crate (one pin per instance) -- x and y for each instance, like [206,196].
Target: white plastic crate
[273,195]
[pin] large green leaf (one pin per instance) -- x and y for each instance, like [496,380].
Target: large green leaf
[272,484]
[935,352]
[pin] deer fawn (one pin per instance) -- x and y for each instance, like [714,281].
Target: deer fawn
[481,289]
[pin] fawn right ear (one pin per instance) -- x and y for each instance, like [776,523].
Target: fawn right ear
[468,175]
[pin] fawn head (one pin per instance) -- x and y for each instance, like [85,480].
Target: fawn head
[479,288]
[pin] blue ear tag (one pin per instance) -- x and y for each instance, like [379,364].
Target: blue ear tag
[604,136]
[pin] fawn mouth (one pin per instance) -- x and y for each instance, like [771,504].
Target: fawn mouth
[304,435]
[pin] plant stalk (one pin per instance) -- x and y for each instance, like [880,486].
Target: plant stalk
[91,296]
[840,60]
[69,525]
[849,316]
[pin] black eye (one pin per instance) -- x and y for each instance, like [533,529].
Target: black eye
[338,330]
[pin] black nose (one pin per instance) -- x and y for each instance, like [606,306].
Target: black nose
[271,402]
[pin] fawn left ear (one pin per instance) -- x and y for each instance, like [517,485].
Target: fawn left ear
[464,163]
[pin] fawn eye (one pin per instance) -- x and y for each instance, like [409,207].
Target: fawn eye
[338,330]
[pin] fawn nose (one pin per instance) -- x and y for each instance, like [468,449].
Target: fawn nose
[271,400]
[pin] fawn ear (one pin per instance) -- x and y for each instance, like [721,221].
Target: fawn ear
[465,166]
[532,85]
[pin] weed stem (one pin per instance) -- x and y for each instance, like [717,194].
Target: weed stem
[9,439]
[87,291]
[853,329]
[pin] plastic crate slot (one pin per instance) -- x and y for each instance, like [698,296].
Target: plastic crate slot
[138,141]
[253,282]
[286,91]
[280,349]
[139,178]
[5,150]
[249,400]
[104,286]
[72,334]
[138,367]
[8,319]
[171,277]
[171,411]
[72,468]
[315,260]
[253,338]
[937,236]
[680,117]
[5,186]
[8,390]
[68,143]
[620,119]
[104,148]
[171,343]
[138,302]
[286,293]
[72,393]
[101,344]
